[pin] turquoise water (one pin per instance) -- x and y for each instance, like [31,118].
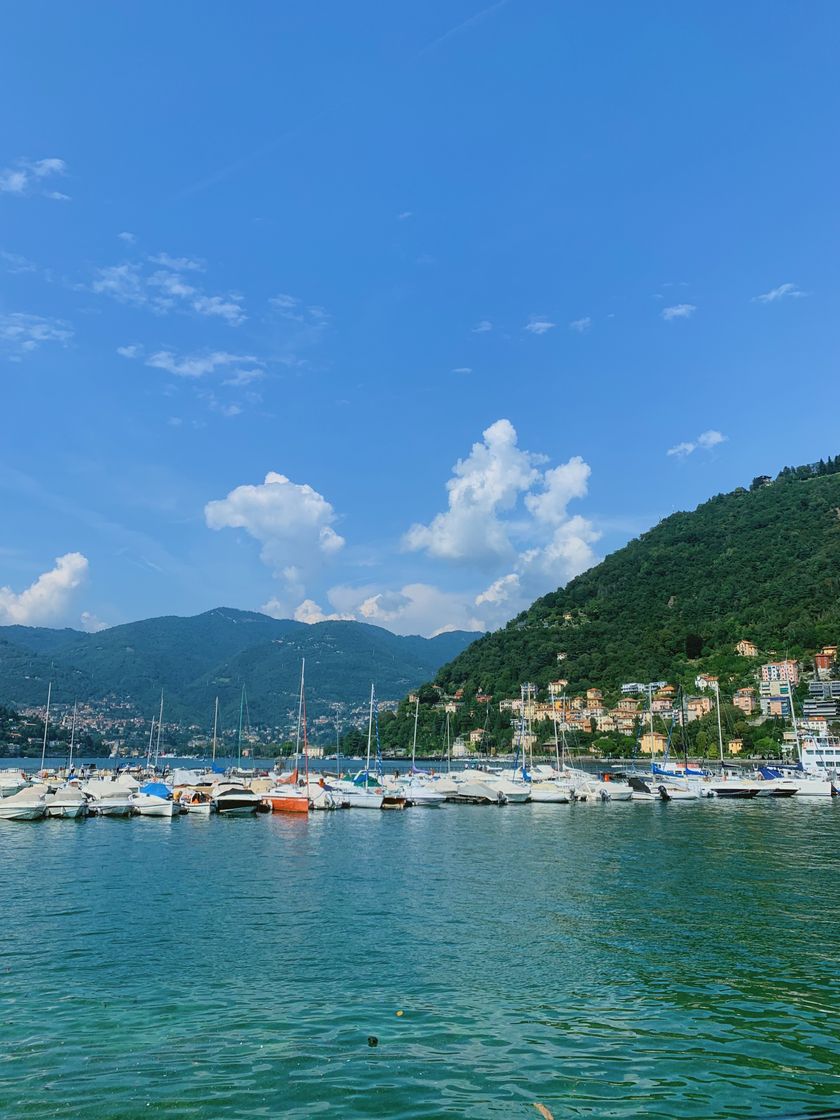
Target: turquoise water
[608,961]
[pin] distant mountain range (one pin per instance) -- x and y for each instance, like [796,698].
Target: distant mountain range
[215,653]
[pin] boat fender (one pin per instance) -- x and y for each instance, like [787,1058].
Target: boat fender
[373,1040]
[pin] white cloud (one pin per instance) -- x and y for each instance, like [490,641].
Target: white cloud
[196,365]
[26,177]
[57,196]
[580,325]
[482,327]
[15,263]
[284,302]
[128,238]
[415,608]
[462,369]
[290,307]
[133,351]
[404,215]
[45,600]
[292,522]
[489,481]
[678,311]
[508,514]
[166,289]
[784,291]
[705,442]
[91,624]
[122,282]
[536,325]
[20,333]
[178,264]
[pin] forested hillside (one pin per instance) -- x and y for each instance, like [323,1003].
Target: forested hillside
[762,564]
[194,659]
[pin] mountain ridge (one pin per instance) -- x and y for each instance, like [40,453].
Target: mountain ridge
[193,657]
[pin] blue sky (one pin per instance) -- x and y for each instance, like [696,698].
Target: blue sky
[395,312]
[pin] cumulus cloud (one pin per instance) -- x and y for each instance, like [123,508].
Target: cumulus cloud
[292,522]
[678,311]
[462,369]
[488,482]
[166,289]
[508,514]
[128,238]
[46,599]
[580,325]
[21,333]
[27,177]
[482,327]
[415,608]
[91,624]
[537,325]
[402,217]
[704,442]
[784,291]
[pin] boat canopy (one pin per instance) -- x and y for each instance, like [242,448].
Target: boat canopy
[156,789]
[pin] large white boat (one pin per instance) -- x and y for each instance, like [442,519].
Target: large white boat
[25,805]
[12,781]
[109,798]
[67,802]
[154,799]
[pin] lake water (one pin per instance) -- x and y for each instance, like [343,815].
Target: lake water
[639,960]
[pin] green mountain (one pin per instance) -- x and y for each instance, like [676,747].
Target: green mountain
[194,659]
[762,564]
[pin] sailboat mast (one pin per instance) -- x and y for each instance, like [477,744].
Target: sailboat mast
[650,713]
[414,740]
[46,725]
[370,733]
[720,730]
[160,727]
[300,714]
[239,733]
[215,726]
[556,736]
[72,735]
[448,748]
[151,740]
[305,742]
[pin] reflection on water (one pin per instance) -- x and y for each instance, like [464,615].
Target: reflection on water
[609,961]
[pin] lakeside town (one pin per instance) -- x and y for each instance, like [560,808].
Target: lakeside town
[644,718]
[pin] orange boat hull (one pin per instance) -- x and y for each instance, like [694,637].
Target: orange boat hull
[289,804]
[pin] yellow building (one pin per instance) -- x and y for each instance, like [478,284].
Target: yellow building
[652,742]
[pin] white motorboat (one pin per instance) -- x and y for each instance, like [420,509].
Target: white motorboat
[232,799]
[549,792]
[194,801]
[355,796]
[25,805]
[108,798]
[419,792]
[67,802]
[477,793]
[12,781]
[150,805]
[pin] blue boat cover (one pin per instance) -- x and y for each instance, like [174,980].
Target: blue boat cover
[157,789]
[217,769]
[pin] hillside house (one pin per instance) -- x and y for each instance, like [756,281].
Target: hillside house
[786,670]
[653,742]
[746,648]
[744,700]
